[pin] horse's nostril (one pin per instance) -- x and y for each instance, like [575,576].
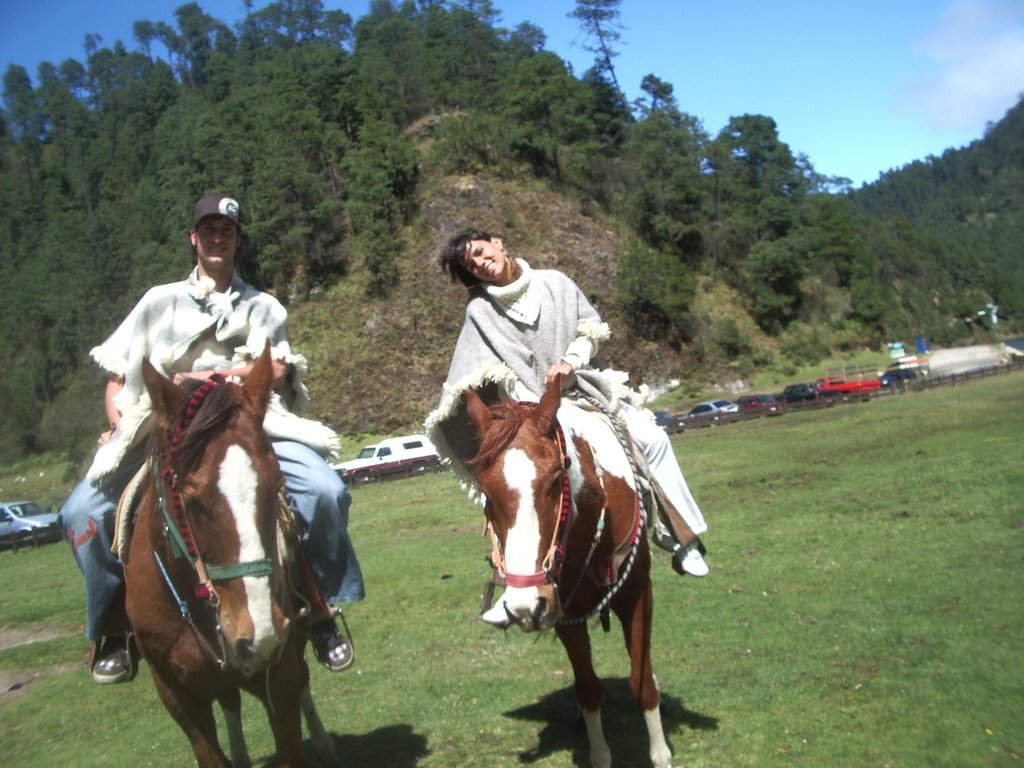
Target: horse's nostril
[244,650]
[539,610]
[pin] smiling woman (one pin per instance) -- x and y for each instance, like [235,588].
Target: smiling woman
[525,329]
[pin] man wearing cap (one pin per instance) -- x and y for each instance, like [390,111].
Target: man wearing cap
[211,321]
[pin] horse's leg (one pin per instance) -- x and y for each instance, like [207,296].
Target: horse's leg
[322,742]
[280,690]
[231,704]
[587,688]
[636,616]
[195,717]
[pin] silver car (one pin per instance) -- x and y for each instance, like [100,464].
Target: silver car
[711,412]
[26,522]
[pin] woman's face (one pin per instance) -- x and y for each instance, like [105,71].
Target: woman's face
[487,261]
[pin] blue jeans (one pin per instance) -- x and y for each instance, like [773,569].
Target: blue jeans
[315,491]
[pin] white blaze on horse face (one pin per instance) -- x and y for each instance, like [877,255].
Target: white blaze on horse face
[238,482]
[522,540]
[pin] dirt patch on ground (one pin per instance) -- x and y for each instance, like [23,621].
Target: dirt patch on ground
[12,637]
[13,683]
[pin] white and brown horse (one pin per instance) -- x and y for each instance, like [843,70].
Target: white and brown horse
[208,593]
[569,543]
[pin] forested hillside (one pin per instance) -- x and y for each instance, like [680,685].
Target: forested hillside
[356,147]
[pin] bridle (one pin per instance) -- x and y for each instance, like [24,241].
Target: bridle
[179,531]
[551,567]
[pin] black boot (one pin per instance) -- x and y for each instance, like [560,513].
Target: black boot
[332,647]
[115,659]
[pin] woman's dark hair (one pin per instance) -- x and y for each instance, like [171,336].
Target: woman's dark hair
[453,254]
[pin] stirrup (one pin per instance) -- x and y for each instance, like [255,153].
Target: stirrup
[332,645]
[114,659]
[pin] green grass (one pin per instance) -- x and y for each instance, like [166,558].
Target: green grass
[864,609]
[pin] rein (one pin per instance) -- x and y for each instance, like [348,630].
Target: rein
[556,550]
[551,568]
[179,531]
[635,537]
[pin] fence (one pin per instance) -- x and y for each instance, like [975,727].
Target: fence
[18,539]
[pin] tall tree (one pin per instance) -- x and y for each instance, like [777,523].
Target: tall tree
[759,186]
[663,180]
[600,22]
[25,122]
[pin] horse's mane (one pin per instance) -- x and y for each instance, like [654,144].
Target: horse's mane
[507,419]
[216,411]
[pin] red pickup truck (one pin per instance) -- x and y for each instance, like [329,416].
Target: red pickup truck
[848,386]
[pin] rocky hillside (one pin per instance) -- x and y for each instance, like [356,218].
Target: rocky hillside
[379,365]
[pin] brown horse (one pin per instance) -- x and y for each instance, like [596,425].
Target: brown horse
[569,543]
[209,596]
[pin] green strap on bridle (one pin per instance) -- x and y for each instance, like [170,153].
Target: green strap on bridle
[254,568]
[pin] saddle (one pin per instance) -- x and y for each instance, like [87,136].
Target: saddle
[668,527]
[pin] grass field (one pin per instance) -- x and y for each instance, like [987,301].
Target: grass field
[865,608]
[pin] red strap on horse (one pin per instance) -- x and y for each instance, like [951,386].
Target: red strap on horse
[560,538]
[167,473]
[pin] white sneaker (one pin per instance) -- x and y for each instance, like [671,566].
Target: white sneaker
[496,615]
[691,560]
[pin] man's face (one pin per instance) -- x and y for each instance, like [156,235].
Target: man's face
[216,241]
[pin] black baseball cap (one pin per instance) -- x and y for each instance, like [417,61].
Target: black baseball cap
[215,205]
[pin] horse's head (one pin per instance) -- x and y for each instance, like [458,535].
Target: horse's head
[221,482]
[520,470]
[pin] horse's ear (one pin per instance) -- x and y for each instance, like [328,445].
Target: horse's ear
[478,411]
[549,402]
[167,397]
[258,383]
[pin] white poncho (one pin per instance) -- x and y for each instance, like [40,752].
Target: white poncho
[511,336]
[188,326]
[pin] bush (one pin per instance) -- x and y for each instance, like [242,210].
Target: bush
[803,346]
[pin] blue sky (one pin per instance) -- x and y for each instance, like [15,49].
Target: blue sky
[859,87]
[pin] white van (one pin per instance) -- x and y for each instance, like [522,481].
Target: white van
[396,456]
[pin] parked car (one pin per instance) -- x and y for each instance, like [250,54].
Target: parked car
[898,377]
[726,406]
[410,455]
[849,387]
[709,412]
[759,405]
[804,391]
[668,422]
[26,522]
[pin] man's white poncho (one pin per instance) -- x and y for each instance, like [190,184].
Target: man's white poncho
[188,326]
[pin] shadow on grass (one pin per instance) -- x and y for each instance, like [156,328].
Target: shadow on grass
[396,746]
[564,730]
